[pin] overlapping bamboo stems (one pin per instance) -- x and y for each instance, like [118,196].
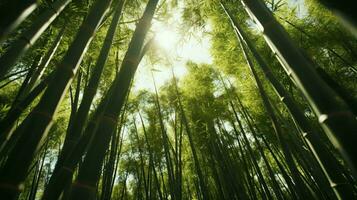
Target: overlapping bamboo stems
[119,150]
[303,191]
[22,90]
[74,98]
[29,37]
[178,132]
[165,142]
[227,140]
[151,158]
[243,156]
[251,154]
[142,162]
[75,131]
[250,182]
[345,11]
[12,14]
[15,74]
[88,174]
[332,51]
[13,114]
[276,188]
[109,170]
[37,75]
[334,115]
[63,175]
[40,119]
[185,122]
[302,188]
[327,161]
[5,127]
[37,176]
[227,166]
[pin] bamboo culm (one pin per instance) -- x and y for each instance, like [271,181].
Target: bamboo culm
[333,114]
[40,119]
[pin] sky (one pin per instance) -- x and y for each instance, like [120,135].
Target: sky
[177,48]
[174,49]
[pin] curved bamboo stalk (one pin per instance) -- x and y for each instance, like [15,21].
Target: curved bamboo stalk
[327,161]
[301,187]
[334,115]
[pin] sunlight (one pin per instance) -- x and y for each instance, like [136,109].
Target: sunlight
[175,49]
[166,38]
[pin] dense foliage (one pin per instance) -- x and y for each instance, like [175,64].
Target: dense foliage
[273,115]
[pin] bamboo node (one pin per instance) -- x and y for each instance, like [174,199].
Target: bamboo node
[324,117]
[11,186]
[44,114]
[84,186]
[267,72]
[86,28]
[19,108]
[131,61]
[92,89]
[28,41]
[68,169]
[70,70]
[54,10]
[110,119]
[335,185]
[267,24]
[304,134]
[73,141]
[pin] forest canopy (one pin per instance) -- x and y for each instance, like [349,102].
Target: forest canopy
[168,99]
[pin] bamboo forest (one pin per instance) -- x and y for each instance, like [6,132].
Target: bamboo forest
[178,99]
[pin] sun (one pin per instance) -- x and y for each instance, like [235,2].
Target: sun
[166,38]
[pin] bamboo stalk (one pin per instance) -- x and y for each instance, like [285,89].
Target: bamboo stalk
[40,119]
[334,115]
[29,37]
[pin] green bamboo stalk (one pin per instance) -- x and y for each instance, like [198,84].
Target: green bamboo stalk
[7,124]
[45,61]
[22,90]
[39,120]
[141,159]
[198,168]
[151,158]
[302,190]
[334,115]
[13,13]
[30,36]
[344,11]
[165,142]
[327,161]
[88,175]
[250,150]
[63,174]
[74,132]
